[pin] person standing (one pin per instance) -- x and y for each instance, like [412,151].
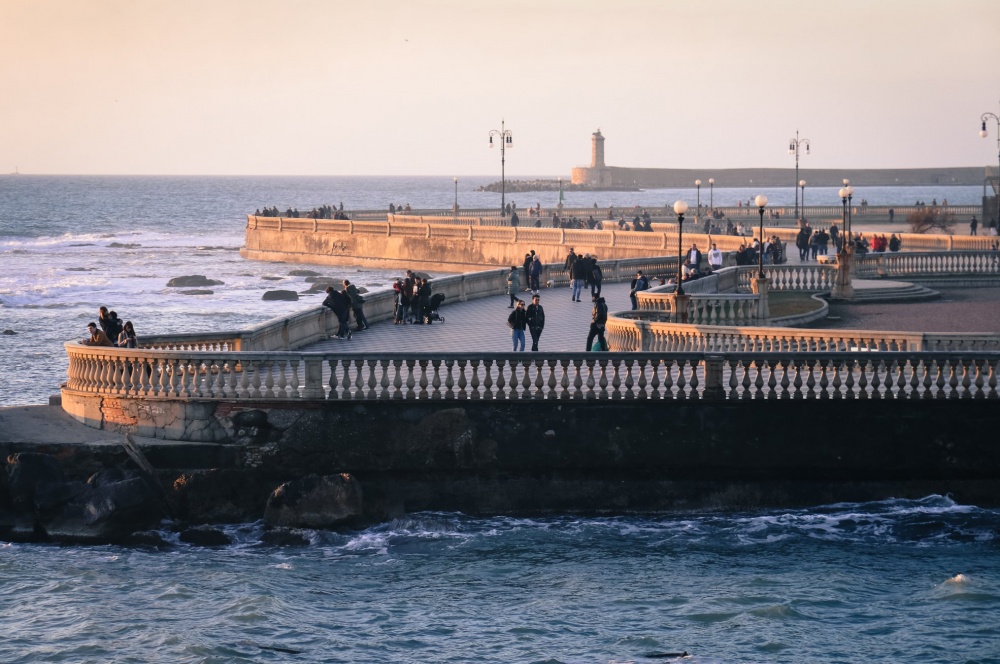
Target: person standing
[337,303]
[536,320]
[973,225]
[517,321]
[694,255]
[579,275]
[892,215]
[535,273]
[127,338]
[513,285]
[714,258]
[424,297]
[598,320]
[357,305]
[568,265]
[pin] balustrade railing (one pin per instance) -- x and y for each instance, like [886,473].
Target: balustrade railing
[930,264]
[256,377]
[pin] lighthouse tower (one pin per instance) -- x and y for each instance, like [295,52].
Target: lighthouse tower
[597,150]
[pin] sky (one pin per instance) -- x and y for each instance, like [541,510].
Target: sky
[413,87]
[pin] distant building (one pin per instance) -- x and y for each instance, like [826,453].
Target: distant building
[601,176]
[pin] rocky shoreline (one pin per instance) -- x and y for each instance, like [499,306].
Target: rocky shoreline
[526,186]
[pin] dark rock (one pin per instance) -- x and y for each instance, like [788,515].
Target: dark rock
[9,332]
[362,289]
[221,495]
[80,269]
[205,536]
[303,273]
[284,537]
[25,472]
[289,295]
[250,418]
[272,278]
[197,292]
[320,287]
[147,538]
[108,508]
[192,281]
[125,245]
[315,502]
[312,280]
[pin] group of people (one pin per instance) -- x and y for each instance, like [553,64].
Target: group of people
[991,228]
[322,212]
[112,331]
[584,272]
[413,302]
[342,303]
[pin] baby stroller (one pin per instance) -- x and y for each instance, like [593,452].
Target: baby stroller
[436,301]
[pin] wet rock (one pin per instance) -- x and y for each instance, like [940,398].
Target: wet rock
[197,291]
[315,502]
[303,273]
[25,472]
[268,278]
[312,280]
[288,295]
[192,281]
[147,538]
[80,269]
[320,287]
[124,245]
[284,537]
[109,507]
[9,332]
[205,536]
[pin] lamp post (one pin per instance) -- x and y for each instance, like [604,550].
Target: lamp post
[983,134]
[680,207]
[794,147]
[802,186]
[711,196]
[506,141]
[560,205]
[761,202]
[847,193]
[456,195]
[697,184]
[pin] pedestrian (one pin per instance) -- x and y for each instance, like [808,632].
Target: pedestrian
[640,283]
[513,285]
[598,320]
[338,304]
[714,258]
[424,298]
[536,320]
[535,274]
[568,265]
[517,321]
[97,337]
[596,278]
[357,305]
[973,225]
[579,275]
[127,338]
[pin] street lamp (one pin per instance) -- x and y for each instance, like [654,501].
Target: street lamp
[983,134]
[761,202]
[680,207]
[802,186]
[456,195]
[697,183]
[506,141]
[846,193]
[794,145]
[711,196]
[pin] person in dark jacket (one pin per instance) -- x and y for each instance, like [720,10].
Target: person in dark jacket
[536,320]
[640,283]
[581,268]
[424,295]
[599,319]
[570,260]
[528,258]
[596,278]
[517,321]
[535,273]
[357,304]
[337,303]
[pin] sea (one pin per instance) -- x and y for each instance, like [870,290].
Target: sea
[893,581]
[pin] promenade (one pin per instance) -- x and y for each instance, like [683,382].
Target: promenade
[481,325]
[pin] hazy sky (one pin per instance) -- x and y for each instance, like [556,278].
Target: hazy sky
[363,87]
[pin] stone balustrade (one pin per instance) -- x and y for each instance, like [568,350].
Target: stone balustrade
[791,374]
[929,264]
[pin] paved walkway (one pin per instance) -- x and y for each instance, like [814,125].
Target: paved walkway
[481,325]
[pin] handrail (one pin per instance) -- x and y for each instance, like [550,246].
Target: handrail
[788,374]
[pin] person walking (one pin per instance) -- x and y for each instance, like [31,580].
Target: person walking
[517,321]
[598,321]
[536,320]
[973,225]
[513,285]
[580,268]
[568,265]
[337,303]
[357,305]
[596,278]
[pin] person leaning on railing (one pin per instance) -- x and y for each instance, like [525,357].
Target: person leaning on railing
[97,337]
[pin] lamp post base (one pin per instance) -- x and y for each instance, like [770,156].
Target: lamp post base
[679,305]
[760,286]
[842,287]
